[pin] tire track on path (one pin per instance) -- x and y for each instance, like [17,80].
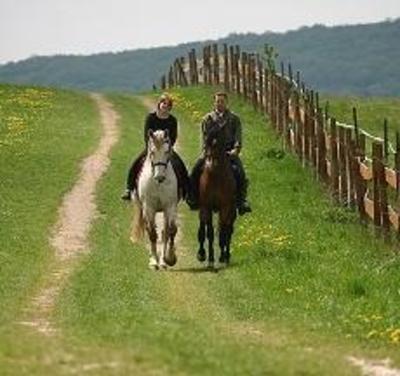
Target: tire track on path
[76,213]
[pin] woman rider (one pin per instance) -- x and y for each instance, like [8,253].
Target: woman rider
[160,119]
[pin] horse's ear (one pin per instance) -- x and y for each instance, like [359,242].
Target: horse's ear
[150,133]
[166,134]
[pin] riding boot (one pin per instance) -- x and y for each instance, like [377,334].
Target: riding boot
[127,195]
[241,183]
[132,176]
[182,175]
[193,192]
[242,203]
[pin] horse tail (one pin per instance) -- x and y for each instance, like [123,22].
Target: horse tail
[138,223]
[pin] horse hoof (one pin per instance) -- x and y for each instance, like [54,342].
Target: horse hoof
[224,260]
[171,261]
[210,265]
[163,266]
[201,256]
[153,264]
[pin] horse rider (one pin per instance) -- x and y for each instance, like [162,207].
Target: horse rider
[160,119]
[231,127]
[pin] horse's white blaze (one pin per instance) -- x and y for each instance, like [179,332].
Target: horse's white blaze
[158,192]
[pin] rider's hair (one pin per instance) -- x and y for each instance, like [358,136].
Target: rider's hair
[220,94]
[165,97]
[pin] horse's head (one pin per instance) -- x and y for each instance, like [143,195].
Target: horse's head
[214,146]
[159,153]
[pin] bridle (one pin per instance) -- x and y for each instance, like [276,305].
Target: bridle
[161,163]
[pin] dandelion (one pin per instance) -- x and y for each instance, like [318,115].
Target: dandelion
[395,336]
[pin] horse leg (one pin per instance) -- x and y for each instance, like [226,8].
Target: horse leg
[171,230]
[164,236]
[228,243]
[210,237]
[152,233]
[225,248]
[201,236]
[153,262]
[222,243]
[226,220]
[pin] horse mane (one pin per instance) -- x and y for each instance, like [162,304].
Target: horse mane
[214,138]
[159,137]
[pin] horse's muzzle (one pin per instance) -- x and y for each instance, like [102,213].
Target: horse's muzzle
[159,178]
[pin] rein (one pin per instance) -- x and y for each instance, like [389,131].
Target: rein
[164,164]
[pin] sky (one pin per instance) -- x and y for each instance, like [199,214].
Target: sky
[48,27]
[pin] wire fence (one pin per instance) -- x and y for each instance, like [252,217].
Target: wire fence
[352,162]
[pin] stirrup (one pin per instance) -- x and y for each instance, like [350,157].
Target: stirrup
[127,196]
[244,208]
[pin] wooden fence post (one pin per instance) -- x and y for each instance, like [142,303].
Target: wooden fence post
[360,183]
[260,84]
[249,78]
[322,167]
[386,139]
[334,161]
[343,173]
[232,67]
[312,130]
[216,64]
[267,89]
[237,70]
[254,82]
[299,126]
[244,79]
[306,128]
[351,177]
[377,154]
[226,68]
[273,100]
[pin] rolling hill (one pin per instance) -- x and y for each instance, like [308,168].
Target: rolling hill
[356,59]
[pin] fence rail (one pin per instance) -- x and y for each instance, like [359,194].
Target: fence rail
[336,151]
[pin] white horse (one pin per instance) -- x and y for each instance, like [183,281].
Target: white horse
[157,191]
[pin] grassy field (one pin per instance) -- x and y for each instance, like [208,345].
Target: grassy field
[307,288]
[44,134]
[371,112]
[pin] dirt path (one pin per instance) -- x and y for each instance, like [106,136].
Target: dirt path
[374,368]
[78,209]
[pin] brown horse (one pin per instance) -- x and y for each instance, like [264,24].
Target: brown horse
[217,193]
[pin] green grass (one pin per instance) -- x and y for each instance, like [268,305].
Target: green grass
[44,134]
[304,273]
[371,112]
[303,259]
